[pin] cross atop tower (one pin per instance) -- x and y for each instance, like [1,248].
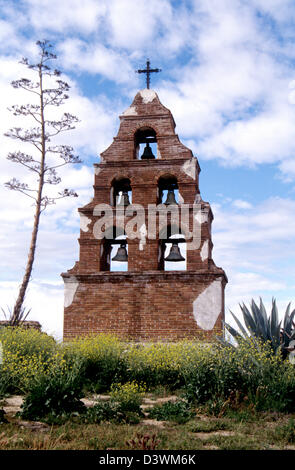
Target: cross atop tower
[148,71]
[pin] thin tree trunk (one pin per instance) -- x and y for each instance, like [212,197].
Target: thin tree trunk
[16,316]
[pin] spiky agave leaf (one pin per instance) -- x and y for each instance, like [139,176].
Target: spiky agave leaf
[248,319]
[259,326]
[274,326]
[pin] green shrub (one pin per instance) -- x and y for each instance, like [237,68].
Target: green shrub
[123,406]
[252,369]
[161,363]
[110,411]
[55,394]
[178,411]
[103,361]
[5,383]
[25,353]
[27,342]
[129,396]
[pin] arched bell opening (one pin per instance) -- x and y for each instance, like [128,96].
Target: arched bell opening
[172,250]
[168,192]
[114,251]
[121,192]
[145,144]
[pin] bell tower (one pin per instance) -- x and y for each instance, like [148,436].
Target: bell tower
[145,270]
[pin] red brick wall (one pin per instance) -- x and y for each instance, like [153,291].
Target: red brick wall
[146,302]
[150,306]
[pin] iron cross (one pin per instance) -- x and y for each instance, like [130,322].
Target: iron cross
[148,71]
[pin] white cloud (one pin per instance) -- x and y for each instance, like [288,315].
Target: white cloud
[256,250]
[240,204]
[96,59]
[45,301]
[66,15]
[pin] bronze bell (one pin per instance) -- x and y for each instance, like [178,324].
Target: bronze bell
[147,152]
[124,201]
[122,254]
[174,254]
[170,198]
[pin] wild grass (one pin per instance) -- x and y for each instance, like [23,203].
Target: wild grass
[223,380]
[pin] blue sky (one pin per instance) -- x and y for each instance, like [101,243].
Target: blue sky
[228,77]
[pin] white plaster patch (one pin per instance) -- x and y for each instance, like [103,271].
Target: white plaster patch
[205,250]
[131,111]
[71,286]
[143,234]
[84,222]
[189,168]
[97,170]
[147,95]
[201,217]
[208,305]
[180,198]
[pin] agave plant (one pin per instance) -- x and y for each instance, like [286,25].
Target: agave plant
[12,320]
[267,329]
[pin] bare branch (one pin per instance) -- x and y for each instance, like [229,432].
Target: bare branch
[51,176]
[65,152]
[32,135]
[16,185]
[25,160]
[26,110]
[46,201]
[27,85]
[64,124]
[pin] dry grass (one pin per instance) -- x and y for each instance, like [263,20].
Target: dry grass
[237,430]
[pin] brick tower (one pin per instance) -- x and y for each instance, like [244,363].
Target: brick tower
[148,300]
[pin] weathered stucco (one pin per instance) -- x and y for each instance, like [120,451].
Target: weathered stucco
[131,111]
[143,234]
[189,168]
[205,250]
[84,222]
[147,95]
[71,286]
[208,305]
[201,217]
[180,199]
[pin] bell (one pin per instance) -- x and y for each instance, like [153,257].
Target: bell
[124,201]
[147,152]
[121,254]
[174,254]
[170,198]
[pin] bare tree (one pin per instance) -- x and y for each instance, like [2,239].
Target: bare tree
[48,90]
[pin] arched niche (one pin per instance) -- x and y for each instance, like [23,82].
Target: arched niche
[145,144]
[114,240]
[168,237]
[168,188]
[121,191]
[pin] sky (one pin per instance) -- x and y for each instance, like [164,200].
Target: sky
[228,77]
